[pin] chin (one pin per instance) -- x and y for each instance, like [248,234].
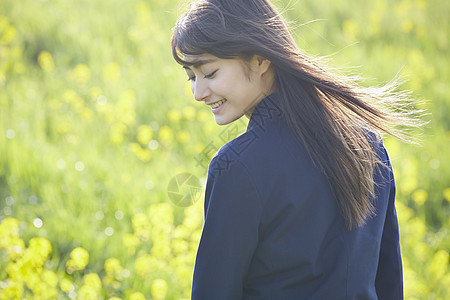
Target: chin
[220,120]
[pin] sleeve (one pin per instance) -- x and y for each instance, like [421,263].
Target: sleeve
[230,232]
[389,279]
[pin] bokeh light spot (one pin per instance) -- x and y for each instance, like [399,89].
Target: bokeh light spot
[109,231]
[10,134]
[79,166]
[99,215]
[119,215]
[102,100]
[9,200]
[153,145]
[38,223]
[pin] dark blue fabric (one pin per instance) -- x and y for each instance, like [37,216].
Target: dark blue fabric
[273,229]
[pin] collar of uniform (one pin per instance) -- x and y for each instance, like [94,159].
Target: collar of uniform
[266,110]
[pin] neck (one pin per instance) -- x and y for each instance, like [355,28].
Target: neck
[268,87]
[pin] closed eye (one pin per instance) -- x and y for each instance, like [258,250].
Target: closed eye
[211,75]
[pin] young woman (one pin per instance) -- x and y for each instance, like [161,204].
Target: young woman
[301,206]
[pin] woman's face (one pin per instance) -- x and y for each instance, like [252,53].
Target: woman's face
[230,87]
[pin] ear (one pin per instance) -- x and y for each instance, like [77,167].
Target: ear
[262,64]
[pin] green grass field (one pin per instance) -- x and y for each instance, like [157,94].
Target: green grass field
[97,123]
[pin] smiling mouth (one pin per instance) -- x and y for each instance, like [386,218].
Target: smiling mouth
[217,104]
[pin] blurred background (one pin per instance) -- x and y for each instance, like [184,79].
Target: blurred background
[103,151]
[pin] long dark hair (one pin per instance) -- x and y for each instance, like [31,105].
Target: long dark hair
[332,115]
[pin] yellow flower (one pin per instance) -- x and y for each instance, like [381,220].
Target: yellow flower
[419,228]
[79,258]
[159,289]
[31,278]
[137,296]
[37,253]
[142,154]
[420,196]
[141,226]
[135,148]
[412,284]
[71,97]
[144,265]
[9,35]
[409,184]
[447,194]
[439,264]
[125,107]
[15,248]
[421,250]
[9,227]
[161,215]
[189,113]
[14,290]
[93,281]
[45,60]
[41,245]
[351,30]
[9,238]
[131,242]
[165,134]
[66,285]
[181,232]
[117,132]
[80,74]
[179,246]
[111,72]
[113,267]
[87,292]
[193,217]
[183,136]
[174,115]
[50,278]
[145,134]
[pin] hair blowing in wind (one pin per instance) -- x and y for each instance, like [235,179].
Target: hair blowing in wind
[332,115]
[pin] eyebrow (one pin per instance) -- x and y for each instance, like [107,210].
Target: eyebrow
[198,63]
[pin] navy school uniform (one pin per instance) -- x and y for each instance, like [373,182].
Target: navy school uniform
[273,228]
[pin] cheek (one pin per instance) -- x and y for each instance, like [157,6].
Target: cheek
[226,86]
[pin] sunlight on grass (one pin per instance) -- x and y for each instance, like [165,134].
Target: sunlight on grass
[96,119]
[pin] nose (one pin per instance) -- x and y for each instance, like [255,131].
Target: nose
[201,90]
